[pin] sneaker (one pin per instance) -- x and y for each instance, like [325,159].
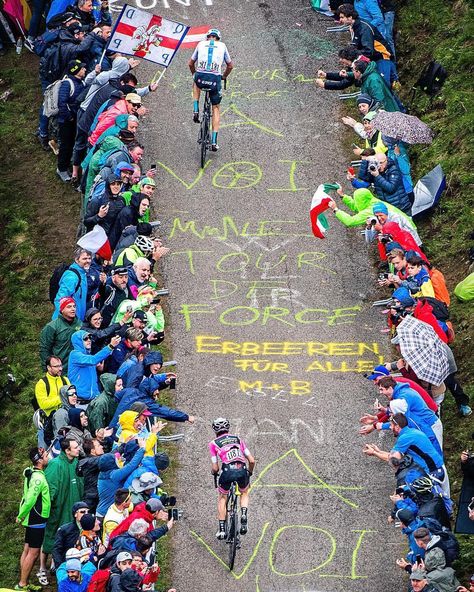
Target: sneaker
[465,410]
[220,535]
[243,524]
[34,588]
[214,147]
[196,116]
[42,577]
[18,587]
[28,43]
[63,175]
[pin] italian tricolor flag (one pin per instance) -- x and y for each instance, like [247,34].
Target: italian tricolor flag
[320,204]
[96,242]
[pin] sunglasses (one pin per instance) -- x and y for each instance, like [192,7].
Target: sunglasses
[88,338]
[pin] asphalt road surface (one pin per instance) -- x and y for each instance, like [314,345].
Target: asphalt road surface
[271,327]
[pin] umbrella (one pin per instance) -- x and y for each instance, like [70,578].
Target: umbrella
[428,190]
[401,126]
[423,350]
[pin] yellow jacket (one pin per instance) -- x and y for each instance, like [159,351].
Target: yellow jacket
[47,392]
[126,421]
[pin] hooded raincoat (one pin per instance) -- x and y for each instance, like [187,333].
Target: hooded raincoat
[101,410]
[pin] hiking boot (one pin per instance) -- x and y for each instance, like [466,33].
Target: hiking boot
[214,147]
[63,175]
[44,143]
[196,116]
[465,410]
[243,524]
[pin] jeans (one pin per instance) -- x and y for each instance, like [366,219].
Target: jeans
[43,126]
[67,133]
[38,9]
[389,18]
[456,390]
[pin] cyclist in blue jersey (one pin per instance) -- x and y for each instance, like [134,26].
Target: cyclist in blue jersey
[206,66]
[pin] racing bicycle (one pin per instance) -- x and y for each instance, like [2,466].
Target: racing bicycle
[204,138]
[232,527]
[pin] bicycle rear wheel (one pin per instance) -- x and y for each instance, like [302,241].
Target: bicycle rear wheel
[204,134]
[233,541]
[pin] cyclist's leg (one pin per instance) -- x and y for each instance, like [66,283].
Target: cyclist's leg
[196,95]
[216,98]
[243,483]
[223,488]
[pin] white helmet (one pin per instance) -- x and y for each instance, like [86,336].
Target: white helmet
[213,33]
[144,243]
[221,424]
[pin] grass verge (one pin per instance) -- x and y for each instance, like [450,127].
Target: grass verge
[39,217]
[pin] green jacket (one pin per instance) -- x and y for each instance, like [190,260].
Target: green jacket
[35,504]
[373,85]
[362,203]
[110,143]
[65,489]
[127,196]
[101,410]
[55,340]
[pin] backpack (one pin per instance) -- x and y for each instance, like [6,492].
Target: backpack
[99,580]
[41,43]
[51,96]
[440,310]
[50,63]
[447,543]
[439,286]
[56,278]
[432,79]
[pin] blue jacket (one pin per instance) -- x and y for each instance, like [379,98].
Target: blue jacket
[82,367]
[388,185]
[67,287]
[126,542]
[68,586]
[417,444]
[67,100]
[118,357]
[369,10]
[414,548]
[112,478]
[144,395]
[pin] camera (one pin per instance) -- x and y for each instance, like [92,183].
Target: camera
[172,384]
[175,514]
[373,167]
[385,238]
[383,276]
[168,500]
[373,221]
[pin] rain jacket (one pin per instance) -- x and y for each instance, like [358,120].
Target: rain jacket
[414,548]
[374,86]
[369,10]
[115,203]
[110,144]
[420,284]
[55,340]
[363,202]
[126,420]
[65,489]
[82,367]
[61,416]
[67,287]
[101,410]
[121,123]
[47,392]
[139,512]
[441,577]
[107,119]
[111,478]
[129,216]
[77,432]
[35,504]
[69,586]
[403,238]
[88,468]
[424,312]
[120,66]
[388,185]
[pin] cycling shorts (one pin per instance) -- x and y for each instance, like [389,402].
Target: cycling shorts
[34,536]
[211,82]
[229,475]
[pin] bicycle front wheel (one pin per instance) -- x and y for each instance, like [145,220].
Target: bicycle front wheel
[233,539]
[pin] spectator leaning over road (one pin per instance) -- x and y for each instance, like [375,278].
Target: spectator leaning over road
[372,84]
[73,283]
[387,180]
[65,489]
[55,337]
[34,512]
[342,79]
[70,88]
[100,334]
[82,364]
[419,582]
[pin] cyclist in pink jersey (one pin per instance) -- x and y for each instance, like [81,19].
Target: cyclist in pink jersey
[234,456]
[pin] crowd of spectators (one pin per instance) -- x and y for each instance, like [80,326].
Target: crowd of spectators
[95,498]
[411,388]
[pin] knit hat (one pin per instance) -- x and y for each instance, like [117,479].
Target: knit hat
[73,565]
[65,302]
[365,99]
[74,66]
[380,208]
[87,521]
[370,115]
[79,506]
[405,516]
[403,296]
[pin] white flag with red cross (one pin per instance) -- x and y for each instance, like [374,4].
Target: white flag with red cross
[148,36]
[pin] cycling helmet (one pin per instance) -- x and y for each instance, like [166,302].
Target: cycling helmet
[213,32]
[221,424]
[144,243]
[422,485]
[38,419]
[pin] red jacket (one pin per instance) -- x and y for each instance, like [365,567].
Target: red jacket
[138,512]
[424,312]
[403,237]
[107,119]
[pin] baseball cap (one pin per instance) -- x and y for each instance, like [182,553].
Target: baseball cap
[140,408]
[418,574]
[119,270]
[134,98]
[74,66]
[123,556]
[154,505]
[140,314]
[74,28]
[370,115]
[378,372]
